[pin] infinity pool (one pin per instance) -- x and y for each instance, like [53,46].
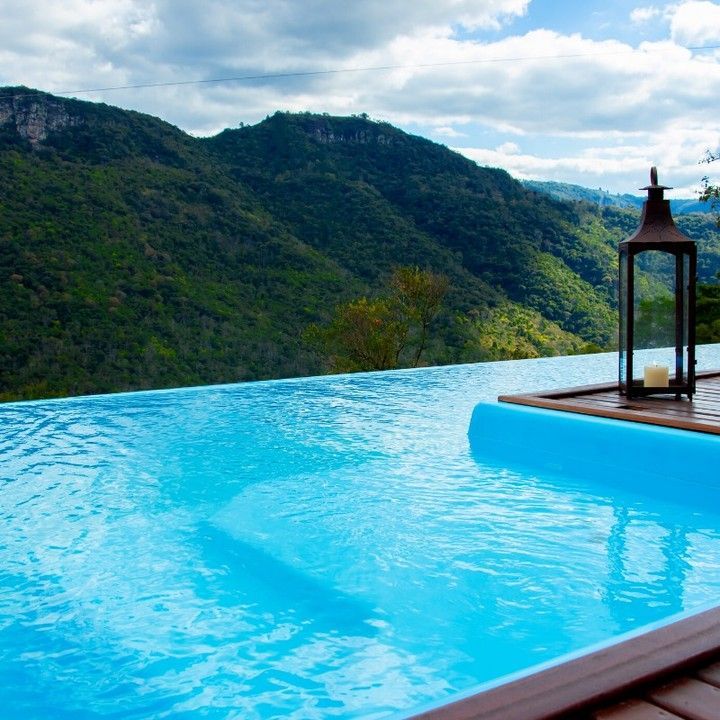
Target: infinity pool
[315,548]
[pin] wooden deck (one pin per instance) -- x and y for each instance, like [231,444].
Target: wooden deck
[700,415]
[672,673]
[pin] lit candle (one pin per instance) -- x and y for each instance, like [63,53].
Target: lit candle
[656,375]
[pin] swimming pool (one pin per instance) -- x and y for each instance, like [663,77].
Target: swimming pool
[314,548]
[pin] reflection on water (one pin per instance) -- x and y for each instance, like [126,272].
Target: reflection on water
[649,563]
[312,548]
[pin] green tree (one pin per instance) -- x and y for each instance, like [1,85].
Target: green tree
[363,335]
[711,192]
[511,331]
[655,322]
[707,326]
[707,318]
[372,334]
[419,295]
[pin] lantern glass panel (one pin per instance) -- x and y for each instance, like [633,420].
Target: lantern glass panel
[654,300]
[684,280]
[654,316]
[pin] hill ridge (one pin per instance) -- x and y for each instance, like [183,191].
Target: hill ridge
[569,191]
[134,255]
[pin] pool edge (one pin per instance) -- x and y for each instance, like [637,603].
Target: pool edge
[596,678]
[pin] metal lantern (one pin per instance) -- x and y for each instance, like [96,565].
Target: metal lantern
[657,303]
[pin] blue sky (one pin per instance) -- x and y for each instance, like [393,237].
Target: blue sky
[587,92]
[594,20]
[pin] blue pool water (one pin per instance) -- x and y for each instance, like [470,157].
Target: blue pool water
[315,548]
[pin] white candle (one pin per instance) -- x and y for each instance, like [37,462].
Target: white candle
[656,375]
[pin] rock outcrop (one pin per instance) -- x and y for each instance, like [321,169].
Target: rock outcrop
[34,115]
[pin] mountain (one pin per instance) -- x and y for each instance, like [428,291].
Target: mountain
[603,198]
[133,255]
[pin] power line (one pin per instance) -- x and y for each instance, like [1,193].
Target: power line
[338,71]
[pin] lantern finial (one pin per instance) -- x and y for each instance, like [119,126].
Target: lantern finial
[655,191]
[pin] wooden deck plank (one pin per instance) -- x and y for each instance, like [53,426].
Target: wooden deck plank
[700,408]
[609,393]
[710,674]
[710,378]
[656,413]
[635,710]
[689,698]
[707,426]
[702,414]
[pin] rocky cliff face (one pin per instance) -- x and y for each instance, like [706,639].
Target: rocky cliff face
[363,133]
[361,137]
[34,115]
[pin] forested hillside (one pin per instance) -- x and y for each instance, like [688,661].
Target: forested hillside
[133,255]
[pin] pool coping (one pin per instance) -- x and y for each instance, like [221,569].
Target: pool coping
[590,682]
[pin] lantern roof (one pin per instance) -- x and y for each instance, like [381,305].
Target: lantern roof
[656,224]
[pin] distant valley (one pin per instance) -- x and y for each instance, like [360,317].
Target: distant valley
[603,198]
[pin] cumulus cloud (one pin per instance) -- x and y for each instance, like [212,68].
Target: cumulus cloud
[642,15]
[565,85]
[225,35]
[509,148]
[447,131]
[437,75]
[696,22]
[56,45]
[675,152]
[542,81]
[95,43]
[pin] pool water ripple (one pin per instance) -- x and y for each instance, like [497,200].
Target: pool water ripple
[312,548]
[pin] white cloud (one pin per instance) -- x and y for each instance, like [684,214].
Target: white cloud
[623,167]
[447,131]
[695,22]
[642,15]
[573,86]
[89,43]
[581,87]
[508,148]
[601,95]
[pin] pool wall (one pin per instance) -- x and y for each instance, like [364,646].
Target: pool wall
[677,464]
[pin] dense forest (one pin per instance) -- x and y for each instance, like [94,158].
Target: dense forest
[133,255]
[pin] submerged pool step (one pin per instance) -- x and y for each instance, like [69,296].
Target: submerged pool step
[282,587]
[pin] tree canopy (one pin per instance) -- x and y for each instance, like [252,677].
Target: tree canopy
[385,332]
